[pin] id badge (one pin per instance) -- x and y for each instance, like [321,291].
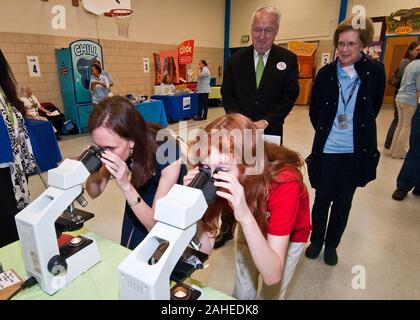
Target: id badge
[342,121]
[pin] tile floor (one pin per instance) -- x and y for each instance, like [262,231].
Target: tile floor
[381,240]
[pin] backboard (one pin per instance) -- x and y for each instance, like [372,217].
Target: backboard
[99,7]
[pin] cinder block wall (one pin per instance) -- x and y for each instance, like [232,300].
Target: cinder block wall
[123,59]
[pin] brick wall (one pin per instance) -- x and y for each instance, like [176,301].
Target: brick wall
[123,59]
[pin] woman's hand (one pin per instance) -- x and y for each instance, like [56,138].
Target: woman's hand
[235,195]
[118,168]
[190,176]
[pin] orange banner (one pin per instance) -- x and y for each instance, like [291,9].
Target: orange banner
[306,57]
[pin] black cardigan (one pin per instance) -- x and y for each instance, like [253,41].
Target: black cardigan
[323,108]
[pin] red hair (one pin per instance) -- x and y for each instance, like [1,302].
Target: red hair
[256,187]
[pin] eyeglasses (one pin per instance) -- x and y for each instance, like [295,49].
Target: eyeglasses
[258,31]
[349,44]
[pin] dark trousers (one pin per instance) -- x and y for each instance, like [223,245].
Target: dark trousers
[8,209]
[392,127]
[57,122]
[203,105]
[409,176]
[335,190]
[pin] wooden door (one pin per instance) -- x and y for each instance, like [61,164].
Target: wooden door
[394,53]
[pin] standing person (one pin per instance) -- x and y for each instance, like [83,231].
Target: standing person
[346,98]
[203,89]
[271,206]
[106,74]
[409,176]
[16,156]
[99,85]
[131,147]
[260,82]
[406,101]
[412,51]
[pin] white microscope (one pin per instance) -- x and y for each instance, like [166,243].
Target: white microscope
[145,273]
[51,265]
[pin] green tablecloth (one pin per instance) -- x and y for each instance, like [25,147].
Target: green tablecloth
[99,282]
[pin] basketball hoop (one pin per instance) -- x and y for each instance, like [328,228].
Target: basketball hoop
[122,18]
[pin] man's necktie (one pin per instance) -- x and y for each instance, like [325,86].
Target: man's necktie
[260,69]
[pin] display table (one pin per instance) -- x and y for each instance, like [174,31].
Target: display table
[44,143]
[179,107]
[153,111]
[99,282]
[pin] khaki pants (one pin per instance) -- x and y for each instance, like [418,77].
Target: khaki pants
[246,278]
[400,145]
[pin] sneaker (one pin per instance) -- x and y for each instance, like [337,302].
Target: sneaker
[221,239]
[416,191]
[313,251]
[330,256]
[399,194]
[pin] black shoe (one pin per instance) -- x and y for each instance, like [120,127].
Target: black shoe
[416,192]
[197,118]
[57,137]
[330,256]
[399,194]
[313,251]
[221,239]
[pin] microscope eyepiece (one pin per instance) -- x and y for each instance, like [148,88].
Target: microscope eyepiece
[91,158]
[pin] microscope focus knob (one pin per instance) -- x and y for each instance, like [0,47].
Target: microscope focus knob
[57,265]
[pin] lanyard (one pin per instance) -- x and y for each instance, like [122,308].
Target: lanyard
[346,102]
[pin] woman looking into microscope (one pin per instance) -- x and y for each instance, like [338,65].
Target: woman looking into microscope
[131,148]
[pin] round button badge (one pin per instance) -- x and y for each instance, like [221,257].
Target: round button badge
[281,66]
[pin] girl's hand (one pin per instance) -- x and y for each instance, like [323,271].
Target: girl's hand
[117,168]
[235,195]
[190,176]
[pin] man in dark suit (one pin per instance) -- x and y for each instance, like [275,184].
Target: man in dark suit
[268,100]
[260,82]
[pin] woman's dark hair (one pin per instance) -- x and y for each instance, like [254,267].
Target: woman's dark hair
[8,84]
[365,34]
[411,47]
[204,62]
[119,115]
[97,67]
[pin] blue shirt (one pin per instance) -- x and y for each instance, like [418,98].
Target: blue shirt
[99,92]
[203,82]
[340,140]
[410,84]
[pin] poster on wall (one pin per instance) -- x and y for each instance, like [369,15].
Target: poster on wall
[306,56]
[33,66]
[186,52]
[83,53]
[146,65]
[404,21]
[325,58]
[374,50]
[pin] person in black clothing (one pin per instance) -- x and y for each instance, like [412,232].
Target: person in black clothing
[345,101]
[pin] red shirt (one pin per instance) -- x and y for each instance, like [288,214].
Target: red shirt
[289,211]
